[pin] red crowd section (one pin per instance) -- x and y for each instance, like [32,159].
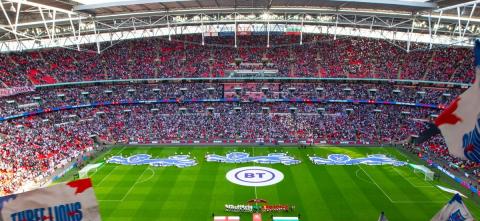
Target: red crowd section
[184,56]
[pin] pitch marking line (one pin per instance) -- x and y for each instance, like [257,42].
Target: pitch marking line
[133,185]
[442,192]
[101,167]
[411,183]
[103,179]
[149,178]
[360,178]
[376,184]
[394,201]
[136,182]
[95,172]
[431,185]
[417,186]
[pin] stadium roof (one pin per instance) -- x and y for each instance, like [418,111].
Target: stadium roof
[109,7]
[126,6]
[30,24]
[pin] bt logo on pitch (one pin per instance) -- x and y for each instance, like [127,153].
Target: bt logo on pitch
[254,176]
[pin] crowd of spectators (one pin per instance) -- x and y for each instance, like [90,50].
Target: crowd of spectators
[32,150]
[184,56]
[57,97]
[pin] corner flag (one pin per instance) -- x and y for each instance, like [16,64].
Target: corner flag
[455,210]
[459,123]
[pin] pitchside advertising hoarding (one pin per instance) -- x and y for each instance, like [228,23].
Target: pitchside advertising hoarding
[73,201]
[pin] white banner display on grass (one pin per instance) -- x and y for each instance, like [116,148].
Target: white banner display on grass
[73,201]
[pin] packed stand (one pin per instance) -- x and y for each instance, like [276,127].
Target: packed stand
[184,56]
[57,97]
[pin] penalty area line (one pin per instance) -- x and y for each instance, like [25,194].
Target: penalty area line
[402,201]
[384,193]
[137,181]
[423,186]
[103,179]
[411,183]
[362,179]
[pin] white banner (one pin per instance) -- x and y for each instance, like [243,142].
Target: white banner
[34,104]
[73,201]
[4,92]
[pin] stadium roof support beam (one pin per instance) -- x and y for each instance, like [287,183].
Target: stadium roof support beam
[410,35]
[459,24]
[235,28]
[169,29]
[425,5]
[8,20]
[458,5]
[38,5]
[119,35]
[469,18]
[336,27]
[96,37]
[458,8]
[22,32]
[203,30]
[45,24]
[53,24]
[301,30]
[120,4]
[268,32]
[432,29]
[19,6]
[74,32]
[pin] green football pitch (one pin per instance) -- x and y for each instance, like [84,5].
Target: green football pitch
[319,192]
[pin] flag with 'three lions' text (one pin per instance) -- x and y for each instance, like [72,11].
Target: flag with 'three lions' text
[73,201]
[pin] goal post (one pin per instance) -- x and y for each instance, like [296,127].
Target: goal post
[429,174]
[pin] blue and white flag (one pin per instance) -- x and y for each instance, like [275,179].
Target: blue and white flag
[460,121]
[455,210]
[73,201]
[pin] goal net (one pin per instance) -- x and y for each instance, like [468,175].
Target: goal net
[429,175]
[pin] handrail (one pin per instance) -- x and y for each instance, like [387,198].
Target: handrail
[222,100]
[257,79]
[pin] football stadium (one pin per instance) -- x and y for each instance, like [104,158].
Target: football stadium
[239,110]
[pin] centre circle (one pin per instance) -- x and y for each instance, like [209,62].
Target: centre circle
[254,176]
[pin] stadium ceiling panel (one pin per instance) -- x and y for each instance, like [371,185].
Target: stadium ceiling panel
[32,24]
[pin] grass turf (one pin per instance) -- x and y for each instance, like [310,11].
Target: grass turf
[319,192]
